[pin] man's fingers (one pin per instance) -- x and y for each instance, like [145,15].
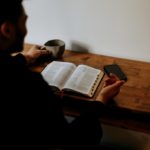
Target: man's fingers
[42,47]
[114,76]
[118,83]
[45,52]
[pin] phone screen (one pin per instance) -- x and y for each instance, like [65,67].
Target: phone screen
[115,69]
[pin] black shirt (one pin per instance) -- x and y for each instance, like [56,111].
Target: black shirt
[31,116]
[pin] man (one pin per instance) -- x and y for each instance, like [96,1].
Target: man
[31,115]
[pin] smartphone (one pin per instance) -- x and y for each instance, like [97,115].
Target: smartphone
[115,69]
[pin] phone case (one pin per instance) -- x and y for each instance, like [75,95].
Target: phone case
[115,69]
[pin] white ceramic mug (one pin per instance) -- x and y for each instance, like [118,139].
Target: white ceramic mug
[56,47]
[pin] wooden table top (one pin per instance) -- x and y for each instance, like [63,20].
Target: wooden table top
[131,107]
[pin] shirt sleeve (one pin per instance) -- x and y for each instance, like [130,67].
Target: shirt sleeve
[20,58]
[93,109]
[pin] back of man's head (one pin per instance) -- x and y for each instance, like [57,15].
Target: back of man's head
[10,10]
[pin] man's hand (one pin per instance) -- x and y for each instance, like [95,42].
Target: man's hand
[34,53]
[110,88]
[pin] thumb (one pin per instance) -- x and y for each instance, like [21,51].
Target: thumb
[46,52]
[118,84]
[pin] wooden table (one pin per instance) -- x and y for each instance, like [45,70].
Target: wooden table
[131,108]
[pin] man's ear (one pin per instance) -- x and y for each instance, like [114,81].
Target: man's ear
[7,29]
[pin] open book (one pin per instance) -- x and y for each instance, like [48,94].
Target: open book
[66,76]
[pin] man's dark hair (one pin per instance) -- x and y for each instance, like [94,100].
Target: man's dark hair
[10,10]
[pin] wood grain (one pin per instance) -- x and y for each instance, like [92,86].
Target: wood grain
[131,108]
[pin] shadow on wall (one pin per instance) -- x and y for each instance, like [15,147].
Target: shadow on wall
[123,139]
[79,47]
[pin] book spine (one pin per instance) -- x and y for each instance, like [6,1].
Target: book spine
[96,83]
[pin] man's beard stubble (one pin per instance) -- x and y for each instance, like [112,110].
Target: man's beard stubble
[18,44]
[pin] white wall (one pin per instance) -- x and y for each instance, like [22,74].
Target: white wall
[112,27]
[118,28]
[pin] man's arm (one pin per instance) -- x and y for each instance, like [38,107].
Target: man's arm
[34,53]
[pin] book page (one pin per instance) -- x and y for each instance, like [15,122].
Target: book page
[83,79]
[57,73]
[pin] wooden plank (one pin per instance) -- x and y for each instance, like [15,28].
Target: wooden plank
[133,101]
